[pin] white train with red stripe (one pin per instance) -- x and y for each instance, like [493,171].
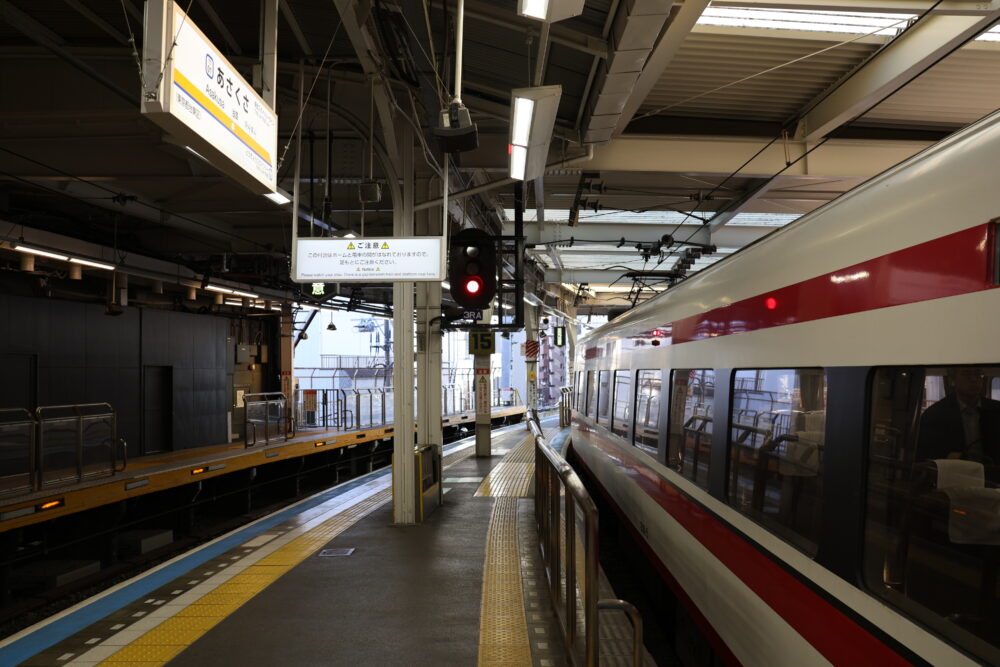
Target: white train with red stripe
[769,429]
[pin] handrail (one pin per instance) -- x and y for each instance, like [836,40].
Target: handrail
[635,618]
[77,413]
[14,418]
[286,421]
[553,475]
[556,480]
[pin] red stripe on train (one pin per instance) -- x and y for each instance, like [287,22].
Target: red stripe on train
[838,638]
[950,265]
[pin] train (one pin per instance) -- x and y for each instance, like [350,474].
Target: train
[802,439]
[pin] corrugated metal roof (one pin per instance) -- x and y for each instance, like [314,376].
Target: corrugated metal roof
[959,90]
[713,58]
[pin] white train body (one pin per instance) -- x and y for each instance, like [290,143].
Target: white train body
[899,272]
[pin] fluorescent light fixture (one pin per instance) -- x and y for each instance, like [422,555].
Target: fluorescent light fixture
[277,197]
[518,161]
[216,288]
[233,302]
[549,10]
[521,120]
[350,236]
[96,265]
[533,115]
[41,253]
[445,284]
[249,295]
[277,308]
[536,9]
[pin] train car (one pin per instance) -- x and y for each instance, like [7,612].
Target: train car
[803,439]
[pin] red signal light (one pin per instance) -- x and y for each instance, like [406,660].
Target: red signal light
[770,303]
[473,285]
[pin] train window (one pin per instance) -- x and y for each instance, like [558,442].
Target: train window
[591,393]
[647,411]
[932,532]
[777,428]
[603,396]
[690,439]
[578,391]
[621,415]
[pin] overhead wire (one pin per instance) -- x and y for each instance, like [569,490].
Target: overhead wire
[783,133]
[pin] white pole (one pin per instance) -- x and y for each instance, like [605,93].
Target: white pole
[459,30]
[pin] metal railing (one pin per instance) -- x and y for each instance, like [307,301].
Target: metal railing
[17,451]
[349,408]
[267,415]
[58,445]
[567,521]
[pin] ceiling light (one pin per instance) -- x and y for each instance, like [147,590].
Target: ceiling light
[518,160]
[96,265]
[42,253]
[533,115]
[521,120]
[277,197]
[216,288]
[350,236]
[249,295]
[549,10]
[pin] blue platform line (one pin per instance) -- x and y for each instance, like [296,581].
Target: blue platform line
[58,630]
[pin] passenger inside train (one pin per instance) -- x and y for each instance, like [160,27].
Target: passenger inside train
[933,526]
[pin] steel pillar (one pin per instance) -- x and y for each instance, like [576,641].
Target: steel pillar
[404,491]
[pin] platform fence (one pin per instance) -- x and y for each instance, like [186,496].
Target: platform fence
[567,521]
[57,445]
[352,398]
[267,418]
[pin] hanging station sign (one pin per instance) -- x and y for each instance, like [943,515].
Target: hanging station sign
[195,94]
[369,260]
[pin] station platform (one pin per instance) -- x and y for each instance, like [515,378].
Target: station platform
[159,472]
[331,580]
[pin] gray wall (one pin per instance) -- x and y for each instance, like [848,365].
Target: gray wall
[84,356]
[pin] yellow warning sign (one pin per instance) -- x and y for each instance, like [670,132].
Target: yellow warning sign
[350,246]
[385,245]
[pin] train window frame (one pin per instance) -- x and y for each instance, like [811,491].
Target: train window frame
[629,403]
[604,377]
[908,514]
[649,449]
[710,421]
[795,466]
[591,392]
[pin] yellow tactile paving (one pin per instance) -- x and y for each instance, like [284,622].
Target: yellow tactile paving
[166,640]
[172,636]
[503,631]
[513,476]
[138,651]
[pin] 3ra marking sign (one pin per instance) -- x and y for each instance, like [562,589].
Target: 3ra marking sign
[342,260]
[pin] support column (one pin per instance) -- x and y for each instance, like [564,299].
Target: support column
[481,380]
[286,355]
[404,491]
[531,360]
[429,347]
[266,72]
